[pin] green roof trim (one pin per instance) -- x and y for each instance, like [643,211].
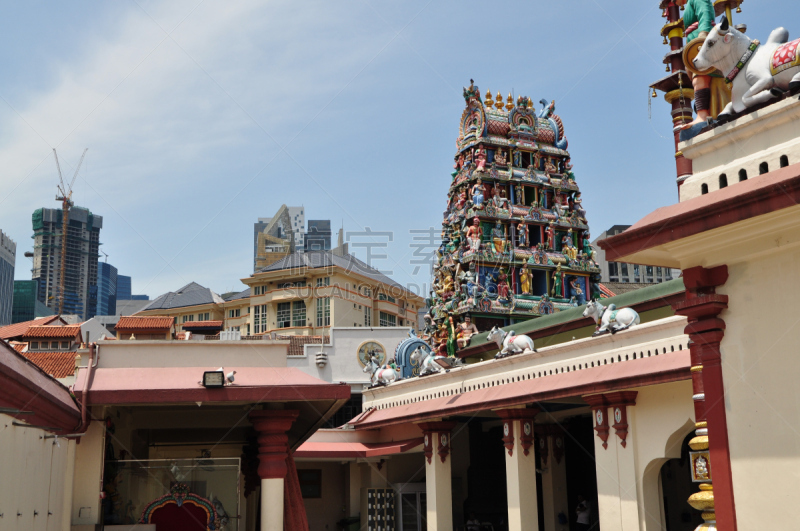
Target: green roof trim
[664,289]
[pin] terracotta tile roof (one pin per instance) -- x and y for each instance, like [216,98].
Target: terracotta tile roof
[296,343]
[18,346]
[53,331]
[202,324]
[56,364]
[18,329]
[152,322]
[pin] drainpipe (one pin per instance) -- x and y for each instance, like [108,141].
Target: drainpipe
[84,393]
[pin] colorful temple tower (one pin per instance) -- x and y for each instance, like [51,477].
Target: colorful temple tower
[515,235]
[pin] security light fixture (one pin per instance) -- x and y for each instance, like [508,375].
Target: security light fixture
[213,379]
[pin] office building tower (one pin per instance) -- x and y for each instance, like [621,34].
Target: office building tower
[8,254]
[318,235]
[106,289]
[83,240]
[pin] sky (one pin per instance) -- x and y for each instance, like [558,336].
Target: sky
[202,115]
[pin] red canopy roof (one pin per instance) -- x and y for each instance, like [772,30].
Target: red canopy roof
[354,449]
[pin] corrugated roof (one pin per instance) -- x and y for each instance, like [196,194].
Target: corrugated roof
[202,324]
[192,294]
[322,259]
[151,322]
[18,329]
[56,364]
[53,331]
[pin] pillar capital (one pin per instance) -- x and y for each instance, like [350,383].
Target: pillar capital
[273,449]
[436,435]
[619,402]
[525,417]
[599,406]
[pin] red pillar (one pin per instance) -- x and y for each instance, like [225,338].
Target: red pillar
[273,442]
[702,307]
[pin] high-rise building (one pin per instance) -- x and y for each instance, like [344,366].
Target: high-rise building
[27,306]
[83,241]
[621,277]
[278,236]
[8,255]
[106,289]
[318,235]
[124,290]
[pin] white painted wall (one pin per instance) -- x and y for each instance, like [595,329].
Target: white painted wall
[343,364]
[34,473]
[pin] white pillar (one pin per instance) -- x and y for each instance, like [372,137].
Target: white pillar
[523,506]
[554,477]
[615,461]
[438,489]
[272,504]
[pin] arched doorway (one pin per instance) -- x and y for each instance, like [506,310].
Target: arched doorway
[676,487]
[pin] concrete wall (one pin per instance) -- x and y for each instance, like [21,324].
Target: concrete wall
[35,476]
[324,512]
[760,365]
[261,353]
[88,476]
[343,364]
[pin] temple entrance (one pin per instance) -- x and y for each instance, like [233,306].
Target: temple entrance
[581,470]
[676,487]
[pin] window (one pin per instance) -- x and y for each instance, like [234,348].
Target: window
[323,281]
[385,297]
[784,161]
[742,175]
[284,314]
[636,277]
[763,168]
[34,345]
[613,272]
[65,345]
[703,189]
[367,316]
[204,316]
[188,318]
[234,313]
[624,274]
[259,319]
[257,290]
[324,311]
[298,313]
[723,181]
[387,319]
[310,482]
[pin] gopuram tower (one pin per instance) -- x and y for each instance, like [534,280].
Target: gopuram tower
[515,235]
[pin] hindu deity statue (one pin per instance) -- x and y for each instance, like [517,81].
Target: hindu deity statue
[499,238]
[480,159]
[537,161]
[474,235]
[519,194]
[477,194]
[503,288]
[588,250]
[462,200]
[575,290]
[549,167]
[542,199]
[550,232]
[577,205]
[500,157]
[525,278]
[451,336]
[466,330]
[522,234]
[558,277]
[499,197]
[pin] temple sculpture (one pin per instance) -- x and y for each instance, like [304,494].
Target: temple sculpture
[515,232]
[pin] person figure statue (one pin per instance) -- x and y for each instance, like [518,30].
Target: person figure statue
[518,159]
[477,194]
[500,157]
[462,200]
[522,234]
[480,159]
[698,19]
[549,167]
[525,278]
[588,250]
[550,231]
[520,195]
[502,285]
[451,337]
[537,161]
[576,291]
[542,199]
[557,282]
[498,238]
[474,235]
[466,330]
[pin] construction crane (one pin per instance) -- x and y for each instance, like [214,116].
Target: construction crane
[66,203]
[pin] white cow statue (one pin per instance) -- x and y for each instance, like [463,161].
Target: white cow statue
[379,376]
[610,319]
[426,360]
[510,343]
[758,72]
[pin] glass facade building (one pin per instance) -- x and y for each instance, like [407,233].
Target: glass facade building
[106,289]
